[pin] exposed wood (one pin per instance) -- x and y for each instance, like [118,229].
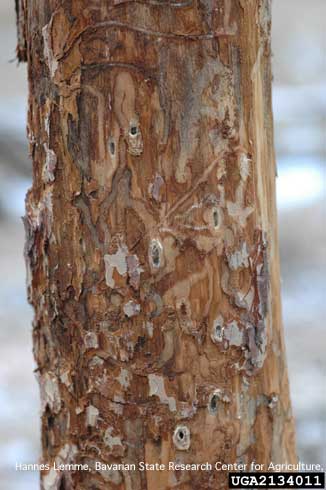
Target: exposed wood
[151,244]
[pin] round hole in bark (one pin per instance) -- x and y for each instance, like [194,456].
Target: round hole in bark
[181,434]
[155,255]
[216,218]
[112,147]
[133,130]
[213,402]
[218,331]
[181,437]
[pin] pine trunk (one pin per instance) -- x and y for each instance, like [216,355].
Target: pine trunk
[151,246]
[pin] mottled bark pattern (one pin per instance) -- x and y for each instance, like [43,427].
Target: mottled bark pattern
[151,239]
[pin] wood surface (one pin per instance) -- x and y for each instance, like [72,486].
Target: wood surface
[151,239]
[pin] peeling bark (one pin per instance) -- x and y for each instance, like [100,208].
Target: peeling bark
[151,239]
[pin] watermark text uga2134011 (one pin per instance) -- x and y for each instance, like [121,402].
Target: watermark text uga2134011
[277,480]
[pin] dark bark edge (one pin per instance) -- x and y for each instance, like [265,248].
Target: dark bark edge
[21,49]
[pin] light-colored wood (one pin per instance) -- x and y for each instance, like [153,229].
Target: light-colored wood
[151,246]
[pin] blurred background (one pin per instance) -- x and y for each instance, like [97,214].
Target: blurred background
[299,99]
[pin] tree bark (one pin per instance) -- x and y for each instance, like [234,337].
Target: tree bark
[151,246]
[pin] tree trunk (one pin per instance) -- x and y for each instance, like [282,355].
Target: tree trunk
[151,245]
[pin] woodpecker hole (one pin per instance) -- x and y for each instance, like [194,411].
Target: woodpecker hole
[181,438]
[216,218]
[155,253]
[213,403]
